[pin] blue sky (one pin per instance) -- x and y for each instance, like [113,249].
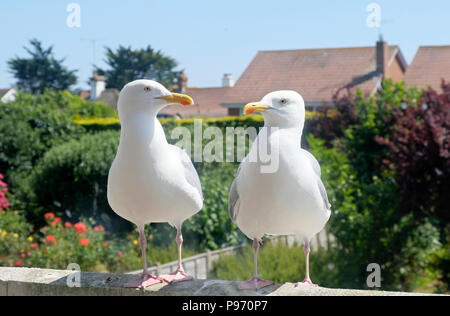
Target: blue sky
[209,38]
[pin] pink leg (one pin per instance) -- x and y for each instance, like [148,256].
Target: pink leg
[307,281]
[146,279]
[255,283]
[178,275]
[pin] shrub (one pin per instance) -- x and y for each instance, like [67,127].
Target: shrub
[59,243]
[72,178]
[66,102]
[367,226]
[279,263]
[212,228]
[31,124]
[28,130]
[419,154]
[14,234]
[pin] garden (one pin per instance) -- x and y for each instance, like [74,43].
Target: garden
[385,163]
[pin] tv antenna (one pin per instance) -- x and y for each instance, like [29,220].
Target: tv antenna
[380,28]
[93,42]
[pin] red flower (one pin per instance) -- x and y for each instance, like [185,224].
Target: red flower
[22,255]
[67,225]
[105,245]
[120,253]
[51,239]
[35,246]
[80,228]
[56,221]
[84,242]
[49,216]
[19,263]
[99,228]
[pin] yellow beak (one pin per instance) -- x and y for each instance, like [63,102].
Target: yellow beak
[255,107]
[178,98]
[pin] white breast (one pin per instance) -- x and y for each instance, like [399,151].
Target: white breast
[285,202]
[146,183]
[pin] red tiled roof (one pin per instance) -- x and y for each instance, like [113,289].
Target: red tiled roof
[206,103]
[315,73]
[85,94]
[430,65]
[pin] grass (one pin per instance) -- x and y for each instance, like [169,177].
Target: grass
[279,263]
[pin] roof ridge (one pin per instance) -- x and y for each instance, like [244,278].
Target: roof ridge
[434,46]
[319,49]
[207,87]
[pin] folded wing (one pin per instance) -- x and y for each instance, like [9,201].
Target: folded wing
[190,173]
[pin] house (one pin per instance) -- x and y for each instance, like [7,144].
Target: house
[317,74]
[98,91]
[206,100]
[206,104]
[430,65]
[7,95]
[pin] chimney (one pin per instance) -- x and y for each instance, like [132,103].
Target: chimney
[97,85]
[181,82]
[227,80]
[382,52]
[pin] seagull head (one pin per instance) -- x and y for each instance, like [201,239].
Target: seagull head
[280,109]
[148,96]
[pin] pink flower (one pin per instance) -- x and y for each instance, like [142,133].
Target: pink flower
[120,253]
[35,246]
[49,215]
[19,263]
[22,255]
[56,221]
[4,203]
[80,228]
[67,225]
[51,239]
[99,228]
[84,242]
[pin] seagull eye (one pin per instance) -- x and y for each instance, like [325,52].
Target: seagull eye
[147,89]
[283,101]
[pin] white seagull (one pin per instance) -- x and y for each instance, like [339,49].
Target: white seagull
[289,201]
[151,181]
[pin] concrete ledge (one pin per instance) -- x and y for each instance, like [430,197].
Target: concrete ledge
[41,282]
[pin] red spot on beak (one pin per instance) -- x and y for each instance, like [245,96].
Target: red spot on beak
[250,111]
[185,103]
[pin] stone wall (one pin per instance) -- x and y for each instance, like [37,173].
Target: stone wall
[38,282]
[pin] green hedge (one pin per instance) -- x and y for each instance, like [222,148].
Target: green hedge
[71,178]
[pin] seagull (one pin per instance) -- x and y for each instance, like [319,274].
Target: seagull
[151,181]
[289,200]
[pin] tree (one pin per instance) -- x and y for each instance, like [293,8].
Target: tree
[41,71]
[126,65]
[419,153]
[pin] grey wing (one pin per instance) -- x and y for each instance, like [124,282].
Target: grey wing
[233,197]
[316,167]
[323,193]
[314,163]
[189,171]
